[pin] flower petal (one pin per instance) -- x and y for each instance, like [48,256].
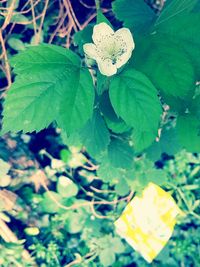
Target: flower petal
[124,39]
[125,35]
[100,32]
[106,67]
[90,50]
[121,60]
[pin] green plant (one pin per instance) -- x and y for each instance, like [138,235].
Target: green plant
[119,116]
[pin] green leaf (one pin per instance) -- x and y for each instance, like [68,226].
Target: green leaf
[49,86]
[95,135]
[172,8]
[188,130]
[135,100]
[44,58]
[137,16]
[120,154]
[76,105]
[167,65]
[31,104]
[107,257]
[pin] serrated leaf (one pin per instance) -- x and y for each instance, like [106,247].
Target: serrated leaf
[120,154]
[188,130]
[25,106]
[135,100]
[46,73]
[137,16]
[44,58]
[95,135]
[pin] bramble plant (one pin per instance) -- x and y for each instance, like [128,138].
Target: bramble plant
[116,101]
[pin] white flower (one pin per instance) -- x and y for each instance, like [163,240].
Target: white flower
[111,50]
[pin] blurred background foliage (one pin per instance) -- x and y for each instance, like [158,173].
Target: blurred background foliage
[57,207]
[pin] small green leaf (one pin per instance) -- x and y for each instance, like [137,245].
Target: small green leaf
[95,135]
[120,154]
